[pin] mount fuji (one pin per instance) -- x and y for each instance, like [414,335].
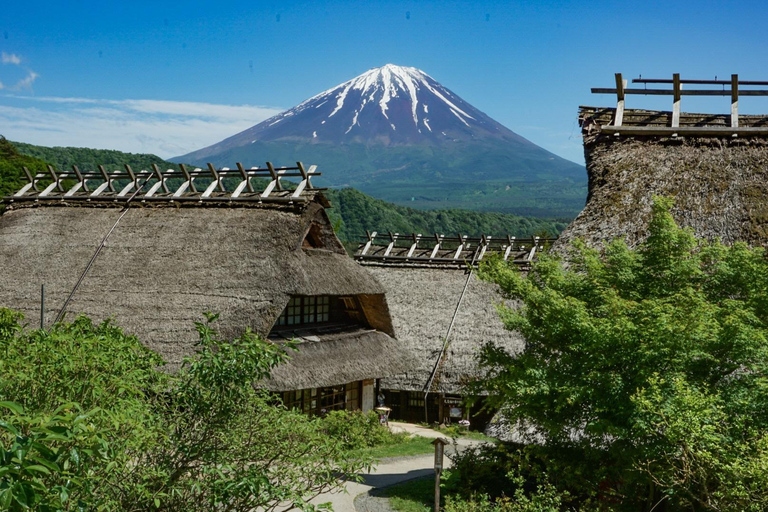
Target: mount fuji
[397,134]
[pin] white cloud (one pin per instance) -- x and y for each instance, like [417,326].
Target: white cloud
[26,82]
[11,58]
[165,128]
[23,83]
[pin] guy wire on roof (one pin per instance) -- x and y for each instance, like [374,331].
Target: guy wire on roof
[98,250]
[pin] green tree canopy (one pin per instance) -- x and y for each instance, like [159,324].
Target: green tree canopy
[643,380]
[89,422]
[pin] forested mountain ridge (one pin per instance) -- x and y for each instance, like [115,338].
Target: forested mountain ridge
[11,168]
[352,212]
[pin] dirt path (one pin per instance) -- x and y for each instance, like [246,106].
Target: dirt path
[388,472]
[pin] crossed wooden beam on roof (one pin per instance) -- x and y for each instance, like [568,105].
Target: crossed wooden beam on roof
[119,185]
[461,250]
[728,88]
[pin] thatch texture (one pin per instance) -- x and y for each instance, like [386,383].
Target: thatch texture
[422,302]
[163,267]
[337,358]
[719,184]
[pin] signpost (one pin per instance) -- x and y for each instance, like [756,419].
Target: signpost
[439,443]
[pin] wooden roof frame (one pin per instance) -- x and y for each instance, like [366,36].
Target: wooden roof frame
[729,88]
[130,183]
[462,251]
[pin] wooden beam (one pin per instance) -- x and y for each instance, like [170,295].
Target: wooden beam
[392,239]
[80,178]
[438,240]
[460,248]
[676,86]
[483,246]
[734,101]
[415,243]
[306,175]
[245,176]
[188,178]
[511,240]
[56,179]
[371,237]
[160,178]
[275,176]
[690,81]
[708,131]
[684,92]
[106,178]
[216,179]
[620,84]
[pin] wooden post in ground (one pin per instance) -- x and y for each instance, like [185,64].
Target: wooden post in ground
[439,449]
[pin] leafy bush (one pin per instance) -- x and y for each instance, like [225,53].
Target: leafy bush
[356,429]
[89,422]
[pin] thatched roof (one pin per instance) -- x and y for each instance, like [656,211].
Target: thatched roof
[719,184]
[164,265]
[339,357]
[422,302]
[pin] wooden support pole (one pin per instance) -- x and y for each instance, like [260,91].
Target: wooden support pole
[305,183]
[274,175]
[734,101]
[56,179]
[245,176]
[620,85]
[371,236]
[160,178]
[438,239]
[188,177]
[460,248]
[676,88]
[108,181]
[80,177]
[416,239]
[216,179]
[392,239]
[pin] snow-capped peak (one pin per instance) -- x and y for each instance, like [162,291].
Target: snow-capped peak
[388,82]
[390,105]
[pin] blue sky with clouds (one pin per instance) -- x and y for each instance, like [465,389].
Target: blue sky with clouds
[168,77]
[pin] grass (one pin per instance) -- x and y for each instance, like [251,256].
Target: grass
[407,447]
[412,496]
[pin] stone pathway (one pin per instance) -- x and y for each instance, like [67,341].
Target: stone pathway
[388,472]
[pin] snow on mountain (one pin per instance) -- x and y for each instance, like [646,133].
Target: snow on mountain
[390,105]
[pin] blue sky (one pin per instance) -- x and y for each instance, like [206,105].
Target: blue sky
[168,78]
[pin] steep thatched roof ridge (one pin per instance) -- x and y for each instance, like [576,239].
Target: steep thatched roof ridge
[163,267]
[422,302]
[719,184]
[335,359]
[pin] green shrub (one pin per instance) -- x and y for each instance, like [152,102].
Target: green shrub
[356,429]
[88,422]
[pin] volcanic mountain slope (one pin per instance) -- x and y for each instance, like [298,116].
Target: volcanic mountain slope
[397,134]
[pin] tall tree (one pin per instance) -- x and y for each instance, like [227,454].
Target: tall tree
[644,377]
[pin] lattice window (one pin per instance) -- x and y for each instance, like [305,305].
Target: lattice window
[307,310]
[333,398]
[415,399]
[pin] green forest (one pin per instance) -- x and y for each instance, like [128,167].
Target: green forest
[352,212]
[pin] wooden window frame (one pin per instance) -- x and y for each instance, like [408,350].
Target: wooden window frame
[304,310]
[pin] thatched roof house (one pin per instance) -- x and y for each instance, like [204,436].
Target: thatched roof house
[444,313]
[714,166]
[270,263]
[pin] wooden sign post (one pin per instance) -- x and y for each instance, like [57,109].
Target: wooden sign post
[439,443]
